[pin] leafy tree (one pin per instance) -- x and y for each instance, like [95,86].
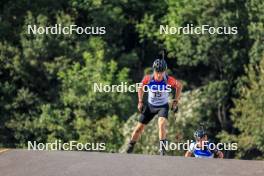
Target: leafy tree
[256,28]
[83,114]
[79,90]
[46,81]
[248,114]
[29,79]
[211,52]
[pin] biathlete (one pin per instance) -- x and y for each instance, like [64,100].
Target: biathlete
[159,85]
[202,148]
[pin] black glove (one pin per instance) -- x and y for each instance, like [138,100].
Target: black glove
[174,106]
[175,109]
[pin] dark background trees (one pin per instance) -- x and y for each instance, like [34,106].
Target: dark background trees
[46,80]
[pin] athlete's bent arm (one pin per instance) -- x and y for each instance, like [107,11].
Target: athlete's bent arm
[178,91]
[140,98]
[144,82]
[177,85]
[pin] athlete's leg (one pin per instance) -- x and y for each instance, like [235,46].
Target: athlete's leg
[146,116]
[137,132]
[162,122]
[135,136]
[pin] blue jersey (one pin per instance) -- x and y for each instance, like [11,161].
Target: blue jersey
[201,152]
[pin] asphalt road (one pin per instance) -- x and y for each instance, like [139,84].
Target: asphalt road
[58,163]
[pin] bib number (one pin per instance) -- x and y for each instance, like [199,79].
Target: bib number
[157,94]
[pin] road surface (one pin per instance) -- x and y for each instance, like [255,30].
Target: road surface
[66,163]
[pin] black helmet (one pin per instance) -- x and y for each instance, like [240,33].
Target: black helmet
[159,65]
[198,134]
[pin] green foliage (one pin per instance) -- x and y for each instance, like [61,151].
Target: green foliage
[211,51]
[106,130]
[248,114]
[256,28]
[64,125]
[29,79]
[79,107]
[46,81]
[78,85]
